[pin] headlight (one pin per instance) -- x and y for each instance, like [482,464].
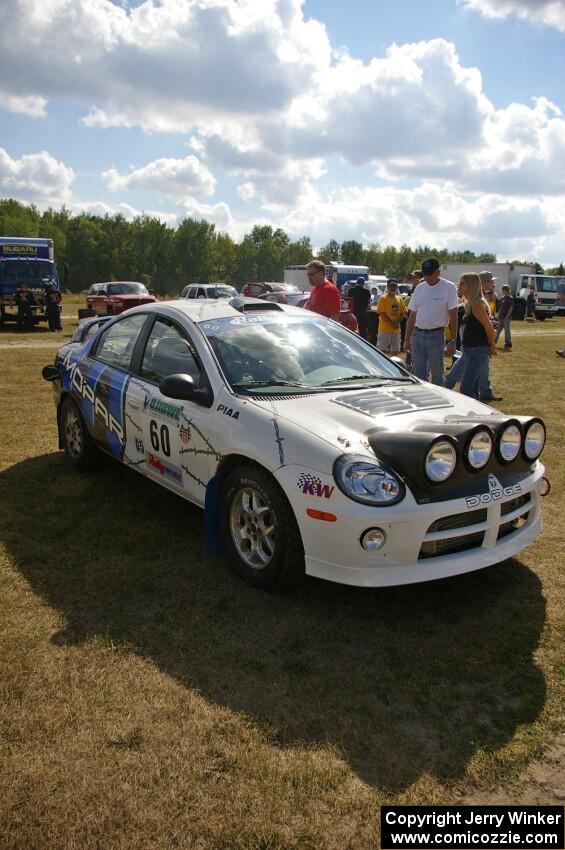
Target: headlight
[440,461]
[479,449]
[365,481]
[534,439]
[509,443]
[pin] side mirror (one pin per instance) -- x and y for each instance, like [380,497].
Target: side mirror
[183,388]
[50,373]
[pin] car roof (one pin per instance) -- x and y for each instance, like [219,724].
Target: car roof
[204,309]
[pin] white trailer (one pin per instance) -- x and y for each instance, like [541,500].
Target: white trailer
[521,278]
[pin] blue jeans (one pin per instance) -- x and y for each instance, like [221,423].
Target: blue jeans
[504,323]
[427,354]
[455,372]
[475,366]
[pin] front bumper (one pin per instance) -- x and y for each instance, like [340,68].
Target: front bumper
[423,542]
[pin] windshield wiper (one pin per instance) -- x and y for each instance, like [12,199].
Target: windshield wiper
[272,384]
[380,378]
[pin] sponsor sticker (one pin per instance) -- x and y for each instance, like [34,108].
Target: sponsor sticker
[165,410]
[228,411]
[164,468]
[185,434]
[311,485]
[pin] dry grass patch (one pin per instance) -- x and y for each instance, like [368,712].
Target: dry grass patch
[149,699]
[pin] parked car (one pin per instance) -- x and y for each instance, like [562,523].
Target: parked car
[257,290]
[300,299]
[116,296]
[308,448]
[208,290]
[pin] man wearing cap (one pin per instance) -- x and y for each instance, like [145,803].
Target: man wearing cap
[433,306]
[486,392]
[360,297]
[390,310]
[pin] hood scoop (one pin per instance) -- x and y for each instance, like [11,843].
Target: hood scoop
[388,401]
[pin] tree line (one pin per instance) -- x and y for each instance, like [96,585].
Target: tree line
[91,248]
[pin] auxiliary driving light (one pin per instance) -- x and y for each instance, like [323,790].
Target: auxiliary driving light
[534,440]
[509,443]
[440,461]
[373,539]
[479,449]
[544,487]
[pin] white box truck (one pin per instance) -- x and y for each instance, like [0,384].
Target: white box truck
[521,278]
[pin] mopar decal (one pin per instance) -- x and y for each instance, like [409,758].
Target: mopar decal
[228,411]
[164,468]
[79,383]
[311,485]
[496,492]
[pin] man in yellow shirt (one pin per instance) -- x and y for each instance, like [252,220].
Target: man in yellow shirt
[390,310]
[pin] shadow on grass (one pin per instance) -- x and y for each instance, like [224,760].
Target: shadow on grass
[403,681]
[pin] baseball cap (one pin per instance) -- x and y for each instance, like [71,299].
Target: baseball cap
[361,280]
[430,265]
[392,280]
[487,276]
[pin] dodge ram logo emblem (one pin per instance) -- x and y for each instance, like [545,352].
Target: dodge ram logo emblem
[495,492]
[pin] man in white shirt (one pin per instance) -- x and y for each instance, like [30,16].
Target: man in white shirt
[433,306]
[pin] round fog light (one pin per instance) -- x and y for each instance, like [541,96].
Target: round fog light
[373,539]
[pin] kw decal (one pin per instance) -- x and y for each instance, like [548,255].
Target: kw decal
[495,492]
[311,485]
[228,411]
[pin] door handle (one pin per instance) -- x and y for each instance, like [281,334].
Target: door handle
[134,405]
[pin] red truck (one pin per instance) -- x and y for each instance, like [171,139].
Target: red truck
[116,296]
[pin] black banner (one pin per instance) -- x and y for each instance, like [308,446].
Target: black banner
[478,827]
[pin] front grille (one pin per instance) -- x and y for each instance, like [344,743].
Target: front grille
[514,525]
[458,521]
[435,548]
[514,504]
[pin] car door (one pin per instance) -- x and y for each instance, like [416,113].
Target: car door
[167,439]
[98,382]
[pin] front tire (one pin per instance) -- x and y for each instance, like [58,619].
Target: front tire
[77,443]
[259,529]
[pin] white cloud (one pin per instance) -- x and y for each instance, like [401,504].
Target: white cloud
[548,12]
[164,66]
[37,177]
[175,178]
[128,212]
[32,106]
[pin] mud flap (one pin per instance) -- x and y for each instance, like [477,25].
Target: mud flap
[212,536]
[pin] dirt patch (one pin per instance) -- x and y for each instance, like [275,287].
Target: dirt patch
[543,783]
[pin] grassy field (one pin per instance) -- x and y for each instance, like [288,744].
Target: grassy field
[151,700]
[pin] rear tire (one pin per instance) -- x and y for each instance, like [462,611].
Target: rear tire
[259,530]
[77,443]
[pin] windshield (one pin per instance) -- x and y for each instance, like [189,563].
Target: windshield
[221,291]
[548,284]
[126,289]
[295,298]
[283,287]
[262,352]
[30,271]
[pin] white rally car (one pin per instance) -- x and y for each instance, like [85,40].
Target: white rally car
[308,448]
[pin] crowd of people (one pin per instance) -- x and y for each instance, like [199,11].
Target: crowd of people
[436,319]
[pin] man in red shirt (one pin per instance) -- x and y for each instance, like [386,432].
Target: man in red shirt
[324,297]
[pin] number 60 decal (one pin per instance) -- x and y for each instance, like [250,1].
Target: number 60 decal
[160,439]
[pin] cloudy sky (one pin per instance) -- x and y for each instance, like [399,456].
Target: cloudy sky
[422,121]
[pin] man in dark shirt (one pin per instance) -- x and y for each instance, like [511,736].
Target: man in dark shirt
[360,298]
[25,300]
[504,316]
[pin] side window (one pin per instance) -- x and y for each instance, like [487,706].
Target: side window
[116,345]
[255,291]
[168,352]
[201,292]
[192,292]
